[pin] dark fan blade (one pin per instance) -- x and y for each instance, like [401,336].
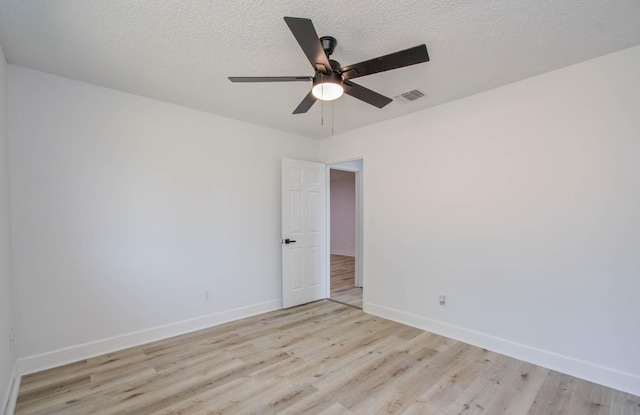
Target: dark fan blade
[270,78]
[307,38]
[365,94]
[306,103]
[396,60]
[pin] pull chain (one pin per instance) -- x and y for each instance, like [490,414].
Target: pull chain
[331,117]
[322,101]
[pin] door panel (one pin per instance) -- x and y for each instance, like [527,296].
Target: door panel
[304,225]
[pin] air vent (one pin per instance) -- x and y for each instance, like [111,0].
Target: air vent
[409,96]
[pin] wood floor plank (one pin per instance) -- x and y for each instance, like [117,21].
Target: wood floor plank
[447,376]
[343,288]
[336,409]
[321,358]
[624,403]
[525,383]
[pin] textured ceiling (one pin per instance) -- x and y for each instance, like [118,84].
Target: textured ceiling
[182,51]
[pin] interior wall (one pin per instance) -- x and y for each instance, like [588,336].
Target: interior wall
[343,213]
[128,209]
[7,356]
[521,205]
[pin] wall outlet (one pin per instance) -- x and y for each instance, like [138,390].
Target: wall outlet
[443,299]
[12,339]
[207,294]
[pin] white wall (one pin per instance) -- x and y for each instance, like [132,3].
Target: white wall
[343,213]
[7,356]
[522,205]
[128,209]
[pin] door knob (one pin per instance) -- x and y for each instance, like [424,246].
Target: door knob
[288,241]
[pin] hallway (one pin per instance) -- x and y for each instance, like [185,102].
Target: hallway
[343,289]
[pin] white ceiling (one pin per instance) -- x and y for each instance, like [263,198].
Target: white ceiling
[182,51]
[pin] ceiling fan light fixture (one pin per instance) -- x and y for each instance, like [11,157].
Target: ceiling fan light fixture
[327,87]
[327,91]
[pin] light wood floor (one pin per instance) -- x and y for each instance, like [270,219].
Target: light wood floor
[343,287]
[320,358]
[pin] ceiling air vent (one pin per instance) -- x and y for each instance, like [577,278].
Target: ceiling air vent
[409,96]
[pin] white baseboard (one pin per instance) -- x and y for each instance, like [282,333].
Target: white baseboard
[11,395]
[613,378]
[343,253]
[72,354]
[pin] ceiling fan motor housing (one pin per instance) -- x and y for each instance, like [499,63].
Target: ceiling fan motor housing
[335,66]
[331,77]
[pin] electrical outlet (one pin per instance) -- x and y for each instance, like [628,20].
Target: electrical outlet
[207,294]
[12,339]
[443,299]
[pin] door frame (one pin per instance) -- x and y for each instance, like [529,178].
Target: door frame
[359,263]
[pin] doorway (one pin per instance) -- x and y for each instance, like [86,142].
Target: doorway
[345,241]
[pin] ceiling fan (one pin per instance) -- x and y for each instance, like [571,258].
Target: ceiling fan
[331,80]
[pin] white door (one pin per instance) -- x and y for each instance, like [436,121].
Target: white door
[304,232]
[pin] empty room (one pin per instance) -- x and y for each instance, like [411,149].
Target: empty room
[171,233]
